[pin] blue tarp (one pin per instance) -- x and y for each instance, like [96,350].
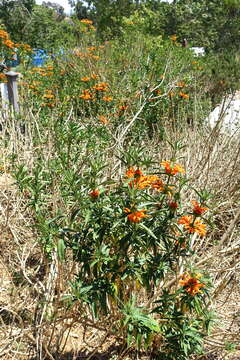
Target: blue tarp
[39,57]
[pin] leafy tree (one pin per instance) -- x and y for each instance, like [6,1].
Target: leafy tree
[43,31]
[209,23]
[14,14]
[81,10]
[107,14]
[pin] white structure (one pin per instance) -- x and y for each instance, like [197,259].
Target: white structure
[4,95]
[226,115]
[198,51]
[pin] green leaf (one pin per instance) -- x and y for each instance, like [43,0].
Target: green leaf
[148,231]
[61,249]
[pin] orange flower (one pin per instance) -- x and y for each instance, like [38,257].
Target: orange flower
[2,76]
[95,57]
[191,284]
[173,37]
[135,216]
[122,107]
[94,194]
[183,95]
[193,225]
[101,86]
[197,209]
[172,169]
[92,48]
[85,79]
[94,76]
[103,119]
[86,21]
[26,47]
[181,84]
[51,105]
[3,34]
[9,44]
[142,181]
[107,98]
[47,96]
[130,172]
[86,95]
[158,185]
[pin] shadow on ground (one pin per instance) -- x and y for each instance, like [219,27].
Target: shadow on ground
[119,352]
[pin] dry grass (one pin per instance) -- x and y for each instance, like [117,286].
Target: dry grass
[33,329]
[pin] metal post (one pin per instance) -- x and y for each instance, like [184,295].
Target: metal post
[12,89]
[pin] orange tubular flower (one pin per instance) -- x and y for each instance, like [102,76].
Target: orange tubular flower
[181,84]
[86,21]
[85,79]
[94,76]
[107,98]
[191,284]
[130,172]
[172,169]
[183,95]
[48,96]
[103,119]
[122,107]
[9,44]
[86,95]
[3,34]
[101,86]
[91,48]
[173,37]
[141,181]
[193,226]
[2,76]
[197,209]
[158,185]
[135,216]
[95,57]
[94,194]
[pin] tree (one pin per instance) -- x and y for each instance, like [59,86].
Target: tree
[213,24]
[106,14]
[14,15]
[43,31]
[58,9]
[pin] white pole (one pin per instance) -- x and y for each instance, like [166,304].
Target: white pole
[4,95]
[12,89]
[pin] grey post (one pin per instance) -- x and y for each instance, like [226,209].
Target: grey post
[12,89]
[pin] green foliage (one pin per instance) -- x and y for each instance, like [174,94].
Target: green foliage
[46,32]
[14,15]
